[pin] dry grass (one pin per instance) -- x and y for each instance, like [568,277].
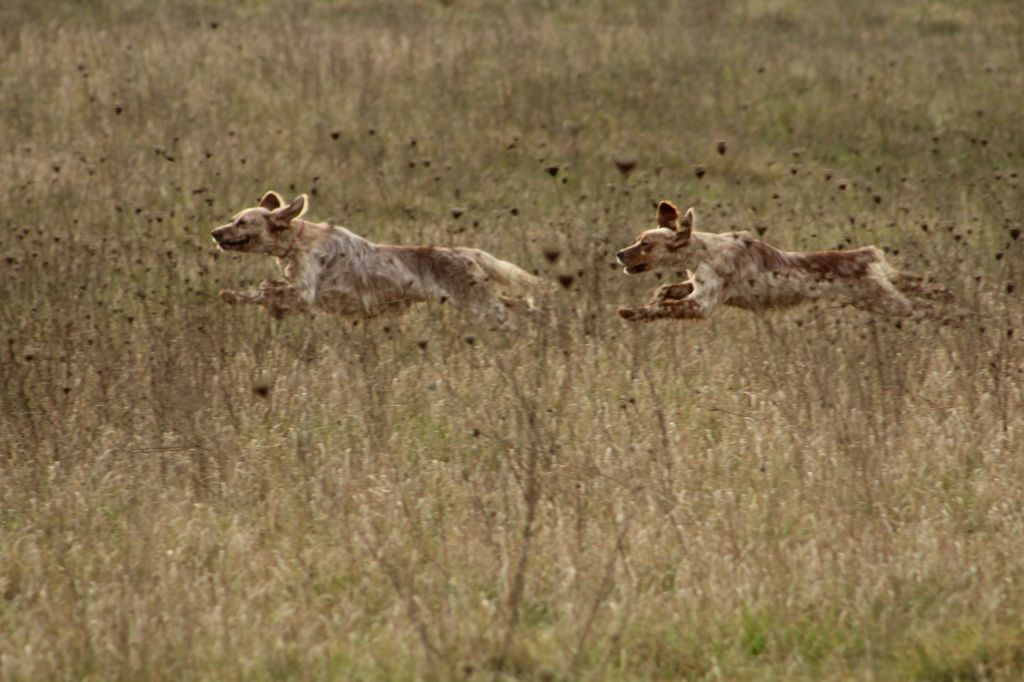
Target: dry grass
[194,491]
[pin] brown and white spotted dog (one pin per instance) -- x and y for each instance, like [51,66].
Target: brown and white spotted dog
[737,269]
[329,268]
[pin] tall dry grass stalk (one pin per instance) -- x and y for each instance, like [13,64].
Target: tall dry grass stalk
[195,491]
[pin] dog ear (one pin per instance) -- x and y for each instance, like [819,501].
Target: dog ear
[668,215]
[684,228]
[271,201]
[688,221]
[282,217]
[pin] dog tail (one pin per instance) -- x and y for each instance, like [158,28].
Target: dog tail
[504,273]
[913,286]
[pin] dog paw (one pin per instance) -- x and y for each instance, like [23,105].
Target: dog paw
[228,296]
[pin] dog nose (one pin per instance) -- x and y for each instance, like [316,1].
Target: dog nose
[619,256]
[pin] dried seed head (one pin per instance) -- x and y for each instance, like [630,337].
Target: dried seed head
[625,166]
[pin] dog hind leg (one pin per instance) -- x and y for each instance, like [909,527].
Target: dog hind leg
[879,296]
[916,287]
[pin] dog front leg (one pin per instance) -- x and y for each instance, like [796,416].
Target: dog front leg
[279,298]
[652,309]
[705,293]
[667,292]
[282,298]
[687,309]
[257,296]
[247,296]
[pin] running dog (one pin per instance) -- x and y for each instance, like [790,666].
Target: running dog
[330,268]
[737,269]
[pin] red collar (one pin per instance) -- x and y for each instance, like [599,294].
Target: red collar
[297,237]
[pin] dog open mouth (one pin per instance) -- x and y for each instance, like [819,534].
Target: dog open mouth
[233,244]
[635,269]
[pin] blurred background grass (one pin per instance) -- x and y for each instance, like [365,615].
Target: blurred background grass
[196,491]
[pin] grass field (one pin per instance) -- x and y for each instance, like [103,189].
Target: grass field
[193,491]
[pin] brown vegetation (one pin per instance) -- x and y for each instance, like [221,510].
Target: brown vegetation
[190,490]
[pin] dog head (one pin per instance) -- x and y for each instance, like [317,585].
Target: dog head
[659,246]
[265,228]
